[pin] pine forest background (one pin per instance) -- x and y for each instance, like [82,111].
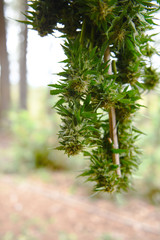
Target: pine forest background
[25,106]
[28,124]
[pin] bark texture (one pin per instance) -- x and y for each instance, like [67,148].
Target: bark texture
[23,60]
[4,66]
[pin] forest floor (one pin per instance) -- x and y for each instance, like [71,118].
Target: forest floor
[58,206]
[61,209]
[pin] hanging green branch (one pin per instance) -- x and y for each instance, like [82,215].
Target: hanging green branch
[96,103]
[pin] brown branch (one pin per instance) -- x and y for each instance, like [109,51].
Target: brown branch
[112,122]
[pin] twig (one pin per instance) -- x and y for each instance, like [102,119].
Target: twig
[112,121]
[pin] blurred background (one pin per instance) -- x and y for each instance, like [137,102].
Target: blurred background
[40,196]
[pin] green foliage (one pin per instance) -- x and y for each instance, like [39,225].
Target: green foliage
[32,144]
[87,91]
[65,236]
[151,78]
[107,237]
[149,171]
[23,236]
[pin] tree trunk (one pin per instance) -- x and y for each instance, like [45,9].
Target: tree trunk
[23,60]
[4,66]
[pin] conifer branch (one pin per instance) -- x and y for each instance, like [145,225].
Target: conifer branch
[84,97]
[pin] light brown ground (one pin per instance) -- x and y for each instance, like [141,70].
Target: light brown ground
[57,206]
[60,209]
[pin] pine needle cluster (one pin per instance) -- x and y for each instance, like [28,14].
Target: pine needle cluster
[87,91]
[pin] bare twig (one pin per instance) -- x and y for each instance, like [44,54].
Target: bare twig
[112,121]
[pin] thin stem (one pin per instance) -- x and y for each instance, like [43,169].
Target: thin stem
[112,122]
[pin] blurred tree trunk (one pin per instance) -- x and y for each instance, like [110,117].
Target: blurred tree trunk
[23,59]
[4,66]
